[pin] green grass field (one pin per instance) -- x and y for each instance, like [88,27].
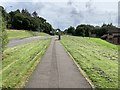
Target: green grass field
[23,33]
[20,61]
[98,59]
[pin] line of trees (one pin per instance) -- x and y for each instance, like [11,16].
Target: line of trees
[25,20]
[89,30]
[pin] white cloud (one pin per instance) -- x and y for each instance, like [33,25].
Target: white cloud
[57,0]
[64,13]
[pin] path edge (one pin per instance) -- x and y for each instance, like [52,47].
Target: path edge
[80,69]
[38,60]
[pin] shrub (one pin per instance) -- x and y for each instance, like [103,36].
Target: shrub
[3,33]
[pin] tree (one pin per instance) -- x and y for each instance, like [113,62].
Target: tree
[25,12]
[34,14]
[79,31]
[17,22]
[71,30]
[88,30]
[48,28]
[3,12]
[26,23]
[23,20]
[10,18]
[103,29]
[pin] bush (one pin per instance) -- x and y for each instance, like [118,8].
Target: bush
[3,33]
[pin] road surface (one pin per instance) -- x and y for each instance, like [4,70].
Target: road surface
[56,70]
[17,41]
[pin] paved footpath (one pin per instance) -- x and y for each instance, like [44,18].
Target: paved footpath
[56,70]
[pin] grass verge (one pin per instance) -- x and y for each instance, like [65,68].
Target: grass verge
[98,59]
[20,61]
[23,33]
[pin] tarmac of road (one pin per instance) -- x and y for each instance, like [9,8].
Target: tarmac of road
[17,41]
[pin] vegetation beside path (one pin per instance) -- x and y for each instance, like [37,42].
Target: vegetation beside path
[23,33]
[20,61]
[98,58]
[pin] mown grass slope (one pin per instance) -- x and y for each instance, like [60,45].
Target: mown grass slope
[98,58]
[19,62]
[23,33]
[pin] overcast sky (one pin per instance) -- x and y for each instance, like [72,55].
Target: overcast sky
[64,13]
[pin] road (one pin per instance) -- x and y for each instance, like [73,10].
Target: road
[56,70]
[17,41]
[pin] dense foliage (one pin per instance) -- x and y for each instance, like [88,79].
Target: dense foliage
[3,33]
[25,20]
[89,30]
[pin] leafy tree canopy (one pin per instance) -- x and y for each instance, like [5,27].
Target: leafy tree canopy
[25,20]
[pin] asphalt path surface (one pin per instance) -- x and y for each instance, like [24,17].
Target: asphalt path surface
[56,70]
[17,41]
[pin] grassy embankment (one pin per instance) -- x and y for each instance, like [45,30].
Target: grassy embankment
[20,61]
[98,58]
[23,33]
